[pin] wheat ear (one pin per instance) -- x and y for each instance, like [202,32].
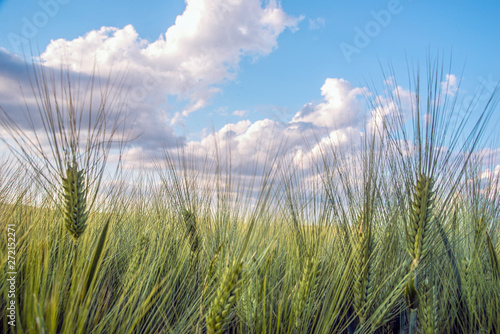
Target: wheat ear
[429,310]
[419,232]
[419,237]
[479,235]
[191,230]
[493,258]
[306,284]
[225,298]
[75,201]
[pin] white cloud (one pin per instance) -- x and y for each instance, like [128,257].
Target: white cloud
[342,107]
[199,52]
[338,139]
[203,48]
[399,102]
[489,155]
[490,174]
[240,113]
[300,140]
[317,23]
[450,85]
[246,140]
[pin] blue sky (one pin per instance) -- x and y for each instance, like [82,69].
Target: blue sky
[250,65]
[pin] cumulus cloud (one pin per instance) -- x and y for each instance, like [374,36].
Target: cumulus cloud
[333,121]
[199,52]
[247,143]
[12,77]
[203,48]
[342,106]
[397,102]
[189,61]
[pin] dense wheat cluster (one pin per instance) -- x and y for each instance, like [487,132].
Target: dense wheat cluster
[395,236]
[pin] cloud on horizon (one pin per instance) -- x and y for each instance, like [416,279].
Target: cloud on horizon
[188,62]
[338,119]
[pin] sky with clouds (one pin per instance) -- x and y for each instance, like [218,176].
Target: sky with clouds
[248,72]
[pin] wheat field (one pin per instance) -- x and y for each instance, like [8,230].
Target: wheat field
[399,235]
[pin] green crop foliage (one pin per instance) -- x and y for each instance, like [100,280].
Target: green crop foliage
[396,235]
